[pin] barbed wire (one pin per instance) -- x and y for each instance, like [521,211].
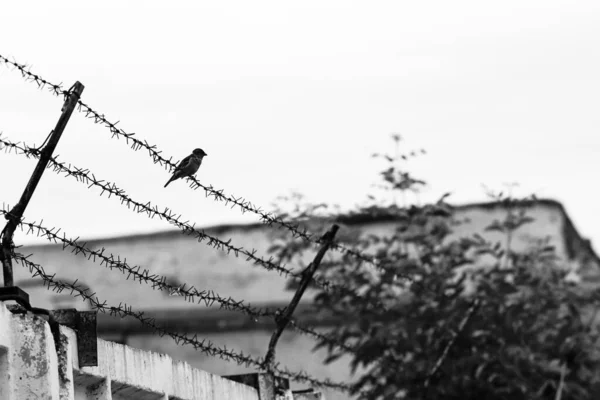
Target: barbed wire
[85,176]
[246,206]
[159,282]
[219,195]
[310,331]
[137,273]
[205,346]
[88,178]
[29,76]
[267,218]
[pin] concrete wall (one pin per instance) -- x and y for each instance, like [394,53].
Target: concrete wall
[35,365]
[293,350]
[184,260]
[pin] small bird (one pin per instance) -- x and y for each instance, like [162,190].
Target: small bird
[188,166]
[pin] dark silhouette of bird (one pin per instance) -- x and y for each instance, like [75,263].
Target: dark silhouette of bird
[188,166]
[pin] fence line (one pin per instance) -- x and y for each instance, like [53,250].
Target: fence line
[205,346]
[84,176]
[159,282]
[267,218]
[244,205]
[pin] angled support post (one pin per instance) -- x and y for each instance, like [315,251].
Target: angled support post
[475,303]
[15,215]
[284,319]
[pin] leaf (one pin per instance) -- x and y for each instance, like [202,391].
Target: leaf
[479,371]
[513,225]
[332,357]
[495,226]
[444,196]
[479,333]
[514,341]
[478,237]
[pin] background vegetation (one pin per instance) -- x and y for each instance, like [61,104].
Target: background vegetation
[431,325]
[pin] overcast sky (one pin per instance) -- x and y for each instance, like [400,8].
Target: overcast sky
[286,96]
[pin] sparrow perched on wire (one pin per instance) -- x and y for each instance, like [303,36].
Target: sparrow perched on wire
[188,166]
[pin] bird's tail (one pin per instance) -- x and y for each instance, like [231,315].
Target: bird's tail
[169,181]
[176,175]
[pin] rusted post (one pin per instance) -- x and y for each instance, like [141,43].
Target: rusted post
[15,215]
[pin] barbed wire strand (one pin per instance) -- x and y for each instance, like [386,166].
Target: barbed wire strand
[205,346]
[246,206]
[218,195]
[267,218]
[29,76]
[88,178]
[159,282]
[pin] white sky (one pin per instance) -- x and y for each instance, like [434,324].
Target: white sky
[286,96]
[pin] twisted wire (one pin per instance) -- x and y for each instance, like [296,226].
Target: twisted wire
[244,205]
[219,195]
[85,176]
[205,346]
[159,282]
[88,178]
[29,76]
